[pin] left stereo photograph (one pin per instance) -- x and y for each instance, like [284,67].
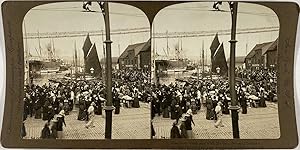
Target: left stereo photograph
[66,47]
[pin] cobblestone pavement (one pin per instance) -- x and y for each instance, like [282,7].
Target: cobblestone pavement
[131,123]
[258,123]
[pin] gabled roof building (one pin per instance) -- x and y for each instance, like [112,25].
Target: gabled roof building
[263,55]
[136,56]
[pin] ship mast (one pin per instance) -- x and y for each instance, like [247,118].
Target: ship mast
[75,56]
[40,48]
[53,50]
[167,45]
[202,59]
[27,56]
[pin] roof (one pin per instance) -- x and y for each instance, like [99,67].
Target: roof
[272,47]
[129,47]
[146,46]
[266,47]
[262,46]
[113,60]
[238,59]
[138,47]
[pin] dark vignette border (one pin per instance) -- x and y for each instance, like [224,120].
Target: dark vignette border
[13,14]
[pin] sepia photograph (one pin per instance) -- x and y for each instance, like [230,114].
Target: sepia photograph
[215,72]
[66,50]
[149,74]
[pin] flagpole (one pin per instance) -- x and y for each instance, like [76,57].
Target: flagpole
[202,59]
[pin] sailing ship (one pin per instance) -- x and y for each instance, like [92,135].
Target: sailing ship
[175,63]
[92,68]
[52,64]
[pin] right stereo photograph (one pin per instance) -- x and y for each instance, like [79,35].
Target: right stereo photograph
[214,72]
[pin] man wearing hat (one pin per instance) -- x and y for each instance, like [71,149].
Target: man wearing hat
[218,111]
[91,114]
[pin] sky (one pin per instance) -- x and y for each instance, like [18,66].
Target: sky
[69,16]
[187,17]
[199,16]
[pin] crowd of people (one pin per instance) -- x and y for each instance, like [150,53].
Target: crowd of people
[176,99]
[53,101]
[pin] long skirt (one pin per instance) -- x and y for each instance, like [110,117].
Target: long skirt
[136,103]
[45,116]
[173,114]
[54,134]
[219,121]
[90,122]
[117,111]
[60,134]
[66,108]
[189,134]
[81,115]
[98,110]
[209,114]
[244,109]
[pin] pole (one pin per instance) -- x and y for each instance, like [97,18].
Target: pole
[40,48]
[211,67]
[153,57]
[108,108]
[27,57]
[167,44]
[234,107]
[75,59]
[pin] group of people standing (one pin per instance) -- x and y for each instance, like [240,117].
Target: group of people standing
[182,128]
[213,95]
[178,101]
[53,101]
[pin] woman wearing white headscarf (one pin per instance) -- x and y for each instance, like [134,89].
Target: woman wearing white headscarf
[188,124]
[218,111]
[91,114]
[60,121]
